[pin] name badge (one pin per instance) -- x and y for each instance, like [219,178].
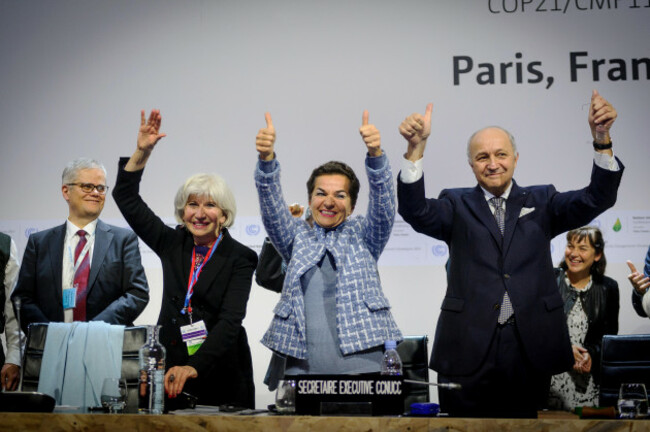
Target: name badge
[69,298]
[194,335]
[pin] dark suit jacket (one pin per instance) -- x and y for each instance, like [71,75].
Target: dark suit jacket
[223,362]
[117,285]
[482,265]
[270,269]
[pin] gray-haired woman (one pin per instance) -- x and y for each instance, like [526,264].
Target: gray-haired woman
[206,279]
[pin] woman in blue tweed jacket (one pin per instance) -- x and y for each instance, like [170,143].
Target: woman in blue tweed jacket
[332,317]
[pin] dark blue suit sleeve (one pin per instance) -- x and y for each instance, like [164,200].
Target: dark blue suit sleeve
[126,308]
[429,216]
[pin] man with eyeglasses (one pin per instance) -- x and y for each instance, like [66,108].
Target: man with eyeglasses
[85,269]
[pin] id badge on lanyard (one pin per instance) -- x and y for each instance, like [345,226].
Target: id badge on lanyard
[195,333]
[70,293]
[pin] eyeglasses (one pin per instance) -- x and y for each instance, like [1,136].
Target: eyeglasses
[89,187]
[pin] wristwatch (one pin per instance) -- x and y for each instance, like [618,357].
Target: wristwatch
[598,146]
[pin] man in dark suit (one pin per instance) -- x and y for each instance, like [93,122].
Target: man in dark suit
[84,269]
[502,332]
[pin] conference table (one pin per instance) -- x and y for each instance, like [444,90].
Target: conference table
[547,421]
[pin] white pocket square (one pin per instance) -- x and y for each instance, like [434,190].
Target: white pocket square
[525,210]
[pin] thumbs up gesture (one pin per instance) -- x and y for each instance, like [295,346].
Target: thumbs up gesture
[265,140]
[640,282]
[370,136]
[416,129]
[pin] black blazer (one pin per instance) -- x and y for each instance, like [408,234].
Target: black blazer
[117,286]
[223,363]
[601,305]
[483,264]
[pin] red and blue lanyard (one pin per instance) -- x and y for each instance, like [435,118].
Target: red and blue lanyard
[194,276]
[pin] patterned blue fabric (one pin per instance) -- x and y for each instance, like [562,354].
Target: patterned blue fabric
[363,315]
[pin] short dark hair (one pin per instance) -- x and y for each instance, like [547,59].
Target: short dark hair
[595,237]
[335,167]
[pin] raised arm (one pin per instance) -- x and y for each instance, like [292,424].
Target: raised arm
[276,216]
[601,118]
[148,136]
[416,128]
[370,136]
[381,204]
[142,220]
[265,140]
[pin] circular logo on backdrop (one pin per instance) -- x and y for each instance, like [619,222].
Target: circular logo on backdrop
[252,229]
[29,231]
[439,250]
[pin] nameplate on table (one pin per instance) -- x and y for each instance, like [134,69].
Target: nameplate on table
[385,394]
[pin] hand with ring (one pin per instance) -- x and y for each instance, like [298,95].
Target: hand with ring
[176,377]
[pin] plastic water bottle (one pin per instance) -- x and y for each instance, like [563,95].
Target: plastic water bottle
[391,364]
[151,389]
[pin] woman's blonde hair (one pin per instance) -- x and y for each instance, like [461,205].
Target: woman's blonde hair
[207,185]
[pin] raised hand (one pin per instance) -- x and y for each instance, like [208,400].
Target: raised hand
[149,132]
[265,140]
[148,135]
[639,281]
[370,136]
[296,210]
[601,117]
[416,128]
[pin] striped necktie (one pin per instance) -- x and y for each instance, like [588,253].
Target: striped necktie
[506,310]
[81,278]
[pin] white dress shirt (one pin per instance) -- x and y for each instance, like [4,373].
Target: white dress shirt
[12,330]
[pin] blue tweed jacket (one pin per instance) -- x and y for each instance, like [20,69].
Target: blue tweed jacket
[362,311]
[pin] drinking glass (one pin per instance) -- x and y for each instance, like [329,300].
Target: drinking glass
[632,401]
[113,395]
[285,397]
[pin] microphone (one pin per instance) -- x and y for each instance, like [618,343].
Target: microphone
[450,386]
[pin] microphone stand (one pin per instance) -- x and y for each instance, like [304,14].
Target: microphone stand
[449,386]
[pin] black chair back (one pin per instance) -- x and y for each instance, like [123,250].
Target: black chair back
[134,338]
[413,351]
[624,359]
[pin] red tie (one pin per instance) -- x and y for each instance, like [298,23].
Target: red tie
[81,278]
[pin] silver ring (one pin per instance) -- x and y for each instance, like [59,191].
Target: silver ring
[171,378]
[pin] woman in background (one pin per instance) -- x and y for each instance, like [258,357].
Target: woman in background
[591,304]
[207,279]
